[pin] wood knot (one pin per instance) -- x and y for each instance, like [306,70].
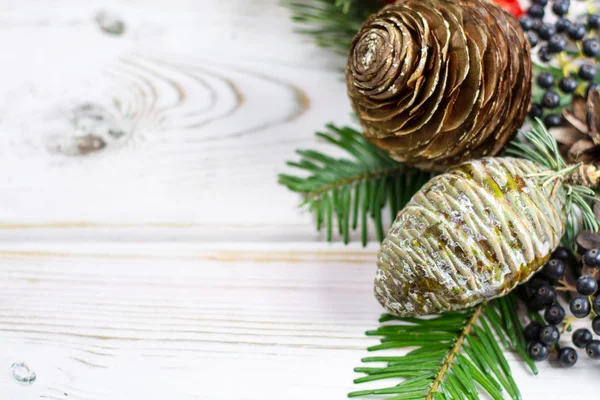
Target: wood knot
[91,128]
[110,23]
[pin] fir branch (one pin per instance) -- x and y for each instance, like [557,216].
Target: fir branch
[332,23]
[456,356]
[538,145]
[355,188]
[453,352]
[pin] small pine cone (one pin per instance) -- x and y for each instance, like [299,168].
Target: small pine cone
[436,82]
[582,143]
[469,235]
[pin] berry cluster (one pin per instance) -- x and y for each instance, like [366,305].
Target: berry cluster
[542,292]
[562,38]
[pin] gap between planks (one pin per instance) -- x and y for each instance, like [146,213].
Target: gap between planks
[292,253]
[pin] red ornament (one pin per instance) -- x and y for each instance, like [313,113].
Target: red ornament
[512,6]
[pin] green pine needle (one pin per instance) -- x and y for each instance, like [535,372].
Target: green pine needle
[332,23]
[349,191]
[455,354]
[539,145]
[345,4]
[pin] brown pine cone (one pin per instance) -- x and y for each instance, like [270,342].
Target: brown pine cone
[581,143]
[436,82]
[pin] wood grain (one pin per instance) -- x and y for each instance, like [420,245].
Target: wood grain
[192,106]
[112,322]
[206,319]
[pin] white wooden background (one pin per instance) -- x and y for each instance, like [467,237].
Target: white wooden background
[159,259]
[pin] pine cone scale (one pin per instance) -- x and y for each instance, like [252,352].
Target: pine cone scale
[422,111]
[593,116]
[446,144]
[582,144]
[404,141]
[458,53]
[466,96]
[372,60]
[368,63]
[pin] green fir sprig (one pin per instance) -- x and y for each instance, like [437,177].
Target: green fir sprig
[454,355]
[538,145]
[351,190]
[332,23]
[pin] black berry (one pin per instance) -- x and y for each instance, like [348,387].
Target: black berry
[596,325]
[560,7]
[568,85]
[593,349]
[596,305]
[576,31]
[545,295]
[549,335]
[554,314]
[537,281]
[552,120]
[532,330]
[586,285]
[546,31]
[536,11]
[581,337]
[591,47]
[562,25]
[554,269]
[594,21]
[537,351]
[526,22]
[587,72]
[536,111]
[550,99]
[567,357]
[580,307]
[544,54]
[536,305]
[545,80]
[591,258]
[561,253]
[533,38]
[557,43]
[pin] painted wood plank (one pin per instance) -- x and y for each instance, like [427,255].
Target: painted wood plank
[146,250]
[181,122]
[122,322]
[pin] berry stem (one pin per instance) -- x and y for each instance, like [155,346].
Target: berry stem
[590,6]
[568,322]
[594,272]
[566,287]
[564,65]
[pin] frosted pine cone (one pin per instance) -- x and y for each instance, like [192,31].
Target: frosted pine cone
[469,235]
